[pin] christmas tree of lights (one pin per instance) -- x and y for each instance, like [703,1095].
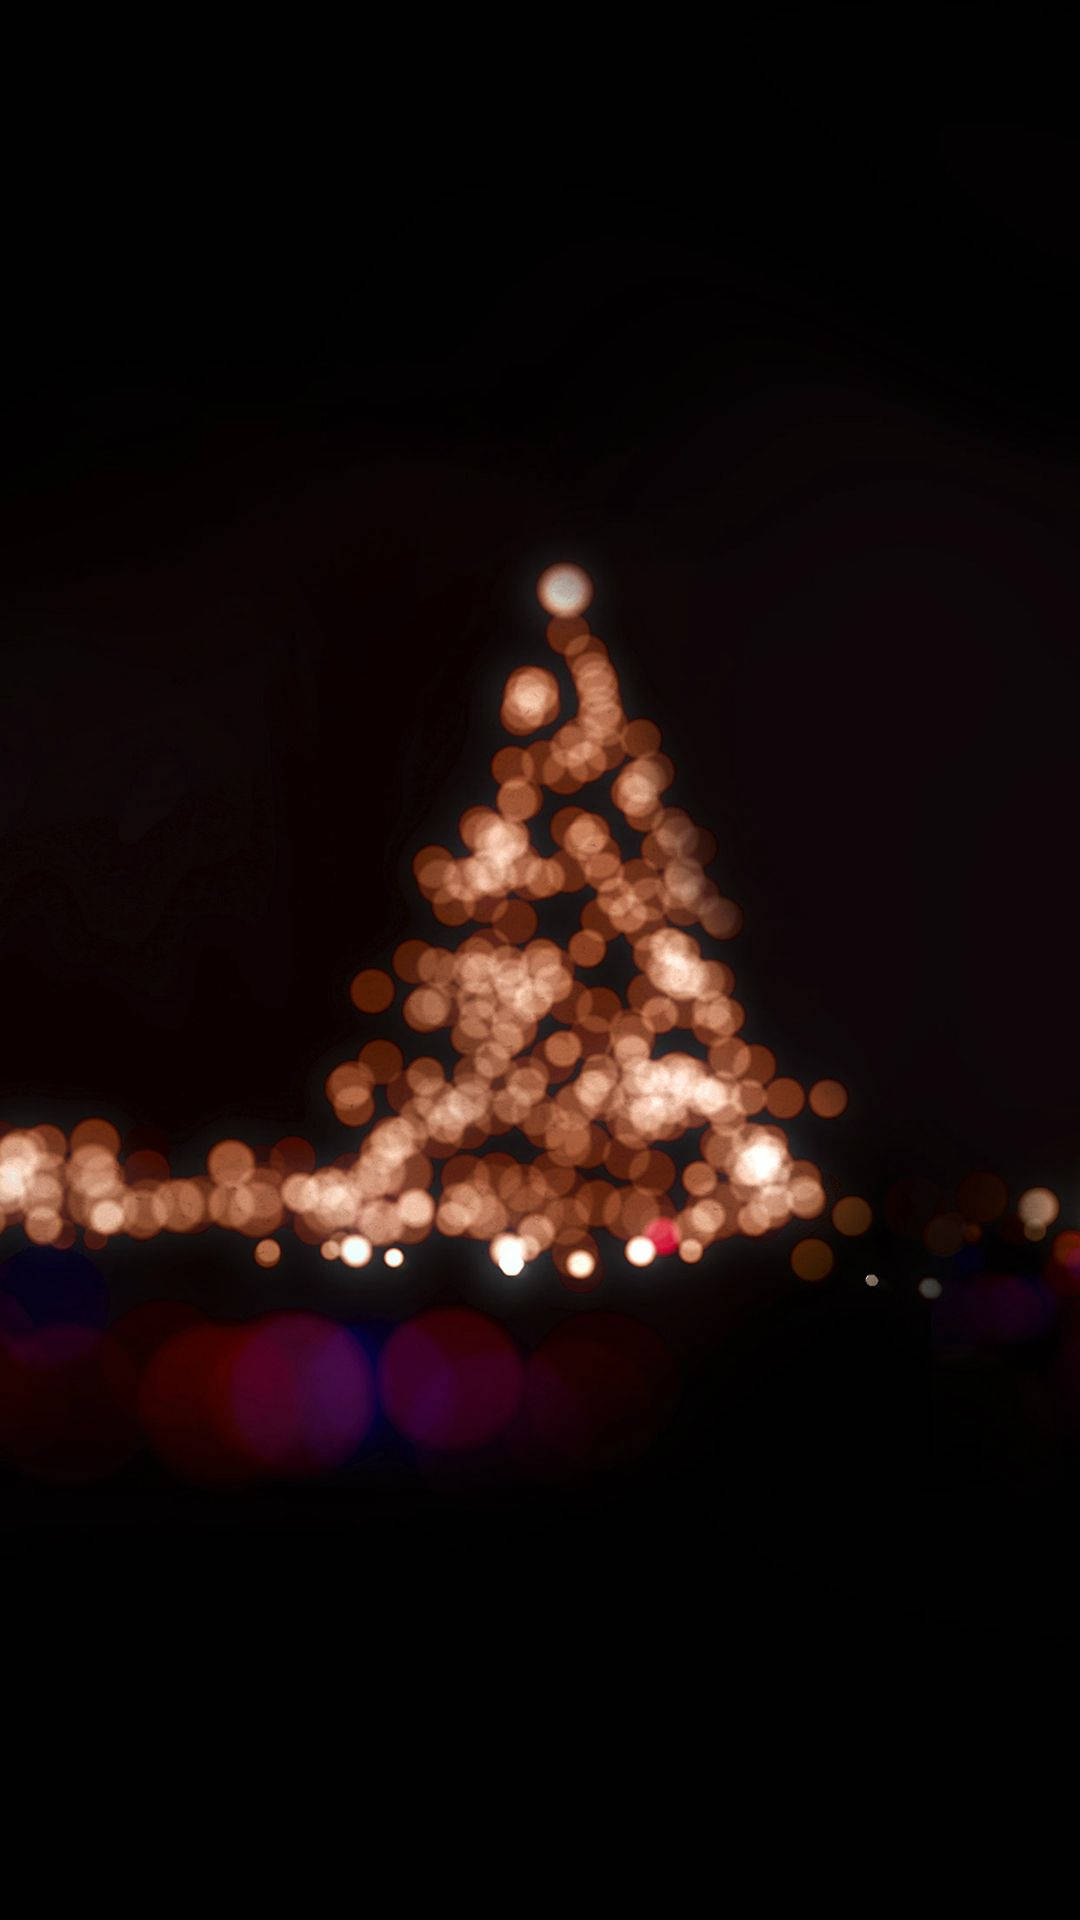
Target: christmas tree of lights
[553,1108]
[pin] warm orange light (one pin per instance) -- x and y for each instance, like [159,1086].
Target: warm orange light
[851,1215]
[530,700]
[372,990]
[828,1098]
[812,1259]
[230,1163]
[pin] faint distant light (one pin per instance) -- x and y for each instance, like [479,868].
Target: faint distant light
[1064,1269]
[580,1264]
[1038,1207]
[944,1235]
[394,1257]
[330,1249]
[851,1215]
[267,1253]
[812,1259]
[640,1250]
[930,1289]
[509,1252]
[982,1196]
[872,1280]
[355,1250]
[564,590]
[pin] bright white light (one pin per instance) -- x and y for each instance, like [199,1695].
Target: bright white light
[640,1250]
[871,1280]
[674,961]
[394,1257]
[509,1252]
[355,1250]
[580,1264]
[759,1164]
[564,590]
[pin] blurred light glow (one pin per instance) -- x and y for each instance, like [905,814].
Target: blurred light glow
[851,1216]
[1038,1207]
[530,700]
[450,1380]
[640,1250]
[564,590]
[759,1163]
[812,1259]
[828,1098]
[355,1250]
[372,990]
[664,1235]
[508,1252]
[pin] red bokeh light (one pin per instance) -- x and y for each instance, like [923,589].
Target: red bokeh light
[450,1379]
[67,1403]
[664,1235]
[598,1390]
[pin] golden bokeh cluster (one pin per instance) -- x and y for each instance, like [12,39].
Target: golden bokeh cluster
[544,1109]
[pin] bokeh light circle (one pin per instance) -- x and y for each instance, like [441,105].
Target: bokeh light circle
[450,1379]
[564,590]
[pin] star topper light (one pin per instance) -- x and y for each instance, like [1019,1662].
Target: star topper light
[556,1104]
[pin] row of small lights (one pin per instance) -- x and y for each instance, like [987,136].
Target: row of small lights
[356,1251]
[929,1288]
[508,1251]
[1037,1208]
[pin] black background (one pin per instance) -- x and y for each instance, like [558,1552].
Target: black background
[276,493]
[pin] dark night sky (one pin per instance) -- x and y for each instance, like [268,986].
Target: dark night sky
[275,501]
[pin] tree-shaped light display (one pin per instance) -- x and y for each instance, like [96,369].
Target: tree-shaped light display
[594,1084]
